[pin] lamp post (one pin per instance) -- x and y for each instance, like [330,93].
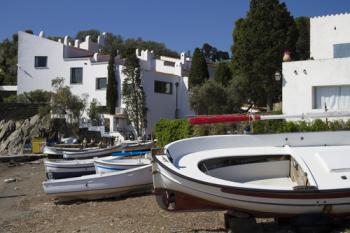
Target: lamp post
[176,101]
[279,78]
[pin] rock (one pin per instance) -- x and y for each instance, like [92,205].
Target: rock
[34,120]
[10,180]
[14,135]
[14,143]
[19,124]
[7,129]
[2,122]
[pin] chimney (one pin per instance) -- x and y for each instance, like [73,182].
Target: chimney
[41,34]
[65,41]
[76,43]
[95,56]
[182,58]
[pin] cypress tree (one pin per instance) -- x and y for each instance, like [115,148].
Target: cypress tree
[223,74]
[259,42]
[111,95]
[133,94]
[199,69]
[303,42]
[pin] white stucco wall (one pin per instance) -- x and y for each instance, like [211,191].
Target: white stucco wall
[300,77]
[61,58]
[31,78]
[325,31]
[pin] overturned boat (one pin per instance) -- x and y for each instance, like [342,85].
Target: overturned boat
[276,175]
[99,186]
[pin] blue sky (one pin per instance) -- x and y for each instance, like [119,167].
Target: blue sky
[182,25]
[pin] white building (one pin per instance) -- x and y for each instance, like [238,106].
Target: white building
[323,82]
[165,81]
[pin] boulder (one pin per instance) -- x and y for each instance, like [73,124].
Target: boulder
[7,129]
[14,135]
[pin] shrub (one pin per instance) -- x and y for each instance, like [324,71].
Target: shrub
[171,130]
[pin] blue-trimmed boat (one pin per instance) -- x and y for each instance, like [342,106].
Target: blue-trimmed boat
[115,164]
[59,169]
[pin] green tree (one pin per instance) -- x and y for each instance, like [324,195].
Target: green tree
[8,60]
[93,33]
[37,96]
[303,42]
[111,94]
[63,101]
[199,69]
[113,43]
[133,94]
[213,54]
[259,42]
[223,73]
[93,112]
[209,98]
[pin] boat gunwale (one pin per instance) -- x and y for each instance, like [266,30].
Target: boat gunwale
[254,191]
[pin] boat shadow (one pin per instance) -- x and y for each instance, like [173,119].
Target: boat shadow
[202,230]
[107,199]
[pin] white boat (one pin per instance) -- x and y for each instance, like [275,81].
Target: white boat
[264,175]
[111,164]
[52,150]
[59,169]
[106,151]
[99,186]
[91,153]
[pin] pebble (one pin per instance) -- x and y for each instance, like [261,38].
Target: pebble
[10,180]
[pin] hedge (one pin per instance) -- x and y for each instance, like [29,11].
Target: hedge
[171,130]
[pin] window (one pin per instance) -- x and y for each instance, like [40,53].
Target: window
[332,97]
[101,83]
[76,75]
[40,62]
[341,50]
[163,87]
[169,63]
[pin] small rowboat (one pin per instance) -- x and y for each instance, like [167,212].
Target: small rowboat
[59,169]
[99,186]
[58,151]
[99,152]
[107,151]
[110,164]
[273,175]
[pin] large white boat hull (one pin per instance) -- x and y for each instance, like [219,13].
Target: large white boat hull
[176,191]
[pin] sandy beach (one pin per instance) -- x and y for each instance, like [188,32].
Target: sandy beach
[24,207]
